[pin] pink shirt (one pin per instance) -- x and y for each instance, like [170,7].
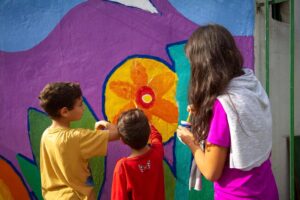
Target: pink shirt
[235,184]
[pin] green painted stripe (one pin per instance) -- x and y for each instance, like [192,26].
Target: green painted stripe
[267,46]
[292,130]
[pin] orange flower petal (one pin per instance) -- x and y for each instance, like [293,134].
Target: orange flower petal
[5,192]
[165,110]
[123,89]
[162,83]
[128,106]
[12,182]
[138,74]
[147,113]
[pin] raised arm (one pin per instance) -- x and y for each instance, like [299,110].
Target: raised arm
[156,141]
[105,125]
[155,136]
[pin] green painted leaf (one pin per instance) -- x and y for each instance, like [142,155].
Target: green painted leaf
[170,182]
[31,174]
[38,122]
[97,165]
[206,193]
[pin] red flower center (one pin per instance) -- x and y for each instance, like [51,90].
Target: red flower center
[145,97]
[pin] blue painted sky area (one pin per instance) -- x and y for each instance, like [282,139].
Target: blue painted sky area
[25,23]
[235,15]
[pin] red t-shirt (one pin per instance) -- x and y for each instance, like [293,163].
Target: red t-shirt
[141,177]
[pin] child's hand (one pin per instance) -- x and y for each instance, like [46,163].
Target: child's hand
[101,125]
[105,125]
[185,135]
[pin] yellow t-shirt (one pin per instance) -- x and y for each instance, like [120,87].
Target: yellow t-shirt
[64,154]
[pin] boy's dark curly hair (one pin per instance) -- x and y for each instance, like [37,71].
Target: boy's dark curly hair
[57,95]
[134,128]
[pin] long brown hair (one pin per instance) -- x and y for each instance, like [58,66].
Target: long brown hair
[215,60]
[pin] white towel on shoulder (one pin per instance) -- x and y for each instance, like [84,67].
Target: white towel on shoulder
[250,121]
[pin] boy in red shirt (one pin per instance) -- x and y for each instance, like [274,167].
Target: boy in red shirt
[140,175]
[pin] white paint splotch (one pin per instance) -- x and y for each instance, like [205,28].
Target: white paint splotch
[141,4]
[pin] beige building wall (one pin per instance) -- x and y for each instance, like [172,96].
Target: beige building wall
[279,85]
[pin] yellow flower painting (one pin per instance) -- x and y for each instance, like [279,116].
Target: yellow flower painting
[147,84]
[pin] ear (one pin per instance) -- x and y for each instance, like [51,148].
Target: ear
[64,112]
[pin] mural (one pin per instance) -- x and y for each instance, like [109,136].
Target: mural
[124,54]
[147,84]
[11,181]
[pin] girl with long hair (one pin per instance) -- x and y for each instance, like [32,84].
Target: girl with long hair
[231,116]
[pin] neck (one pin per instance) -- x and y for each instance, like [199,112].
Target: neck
[139,152]
[60,123]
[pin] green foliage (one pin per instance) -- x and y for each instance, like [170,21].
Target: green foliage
[32,175]
[38,122]
[206,193]
[97,165]
[170,182]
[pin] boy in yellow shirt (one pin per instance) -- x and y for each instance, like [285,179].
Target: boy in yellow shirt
[65,151]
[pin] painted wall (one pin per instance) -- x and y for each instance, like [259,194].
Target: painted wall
[279,87]
[96,43]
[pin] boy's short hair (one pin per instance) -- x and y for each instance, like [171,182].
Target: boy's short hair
[134,128]
[57,95]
